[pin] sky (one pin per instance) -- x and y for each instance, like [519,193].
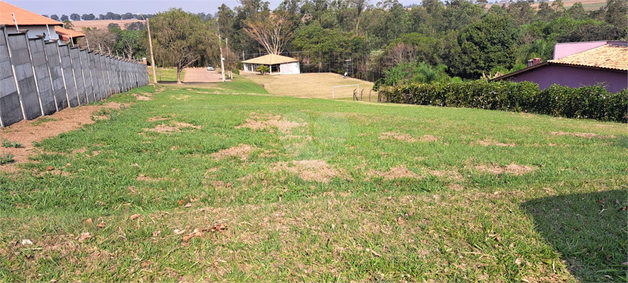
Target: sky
[60,7]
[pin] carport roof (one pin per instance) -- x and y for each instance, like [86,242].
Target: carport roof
[270,59]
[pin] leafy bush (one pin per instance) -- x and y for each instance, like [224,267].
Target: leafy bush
[263,69]
[592,102]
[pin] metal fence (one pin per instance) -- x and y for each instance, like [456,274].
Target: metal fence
[39,78]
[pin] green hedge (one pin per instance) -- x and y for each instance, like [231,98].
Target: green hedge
[592,102]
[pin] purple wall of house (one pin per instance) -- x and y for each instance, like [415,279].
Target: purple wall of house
[546,76]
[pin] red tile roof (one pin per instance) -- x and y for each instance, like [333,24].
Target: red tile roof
[66,33]
[607,56]
[23,17]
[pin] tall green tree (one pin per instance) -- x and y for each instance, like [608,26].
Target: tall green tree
[486,44]
[180,39]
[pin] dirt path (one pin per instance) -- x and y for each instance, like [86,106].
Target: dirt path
[26,132]
[201,75]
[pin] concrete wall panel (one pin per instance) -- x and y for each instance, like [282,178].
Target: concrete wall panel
[78,75]
[42,74]
[56,75]
[23,68]
[68,75]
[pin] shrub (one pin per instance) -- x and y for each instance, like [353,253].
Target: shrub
[263,69]
[592,102]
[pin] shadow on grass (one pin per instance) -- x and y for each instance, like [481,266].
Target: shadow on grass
[589,231]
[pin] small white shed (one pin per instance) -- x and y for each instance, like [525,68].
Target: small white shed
[279,65]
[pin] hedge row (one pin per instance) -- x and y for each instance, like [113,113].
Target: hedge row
[591,102]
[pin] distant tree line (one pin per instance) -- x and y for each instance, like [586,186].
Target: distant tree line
[110,16]
[457,38]
[435,41]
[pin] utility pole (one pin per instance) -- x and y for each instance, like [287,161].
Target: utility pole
[152,57]
[222,59]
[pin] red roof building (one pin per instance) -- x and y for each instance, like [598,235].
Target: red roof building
[14,17]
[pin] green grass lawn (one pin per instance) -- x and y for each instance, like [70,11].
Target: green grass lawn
[208,184]
[165,75]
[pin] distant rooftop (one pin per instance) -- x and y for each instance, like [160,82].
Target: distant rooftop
[23,17]
[270,59]
[609,56]
[65,34]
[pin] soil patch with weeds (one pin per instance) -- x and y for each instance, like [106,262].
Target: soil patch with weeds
[487,142]
[166,129]
[26,132]
[144,97]
[269,122]
[396,173]
[581,135]
[509,169]
[406,137]
[243,151]
[155,119]
[308,170]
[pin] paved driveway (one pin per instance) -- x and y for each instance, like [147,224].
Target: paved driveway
[201,75]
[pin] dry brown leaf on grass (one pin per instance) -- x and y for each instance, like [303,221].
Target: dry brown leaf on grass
[134,216]
[373,252]
[101,225]
[89,221]
[196,233]
[84,237]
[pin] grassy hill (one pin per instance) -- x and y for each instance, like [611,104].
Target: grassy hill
[226,182]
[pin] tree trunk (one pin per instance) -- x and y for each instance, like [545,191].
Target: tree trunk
[179,75]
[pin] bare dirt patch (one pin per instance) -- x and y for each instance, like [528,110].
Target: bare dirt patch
[487,142]
[406,137]
[308,170]
[514,169]
[243,151]
[581,135]
[452,175]
[144,97]
[167,129]
[269,122]
[396,173]
[155,119]
[163,129]
[26,132]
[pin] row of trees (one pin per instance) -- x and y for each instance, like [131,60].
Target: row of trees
[470,39]
[434,41]
[109,16]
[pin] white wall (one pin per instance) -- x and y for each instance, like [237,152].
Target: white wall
[34,31]
[289,68]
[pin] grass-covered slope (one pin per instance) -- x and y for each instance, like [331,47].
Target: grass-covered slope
[203,184]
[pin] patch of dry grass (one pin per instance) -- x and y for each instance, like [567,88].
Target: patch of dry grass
[311,85]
